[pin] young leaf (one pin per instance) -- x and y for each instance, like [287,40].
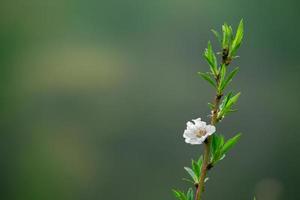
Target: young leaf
[216,33]
[188,180]
[190,194]
[207,77]
[225,38]
[179,194]
[233,100]
[225,101]
[196,168]
[192,174]
[227,35]
[229,78]
[199,162]
[210,57]
[216,147]
[214,143]
[232,110]
[230,34]
[211,106]
[222,77]
[222,157]
[230,143]
[226,105]
[238,38]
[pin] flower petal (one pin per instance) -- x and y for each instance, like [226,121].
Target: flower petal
[210,129]
[193,141]
[189,134]
[197,120]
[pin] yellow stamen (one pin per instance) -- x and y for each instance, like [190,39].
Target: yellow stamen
[201,133]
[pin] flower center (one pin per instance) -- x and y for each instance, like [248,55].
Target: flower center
[201,133]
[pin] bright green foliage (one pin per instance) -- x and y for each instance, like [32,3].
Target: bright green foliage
[216,146]
[226,105]
[211,106]
[230,143]
[182,196]
[226,80]
[219,147]
[194,172]
[227,36]
[237,40]
[190,194]
[220,75]
[210,57]
[230,41]
[179,194]
[196,166]
[217,34]
[207,76]
[230,44]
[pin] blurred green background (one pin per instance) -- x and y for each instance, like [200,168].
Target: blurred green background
[95,96]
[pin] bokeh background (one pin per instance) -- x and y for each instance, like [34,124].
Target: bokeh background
[95,96]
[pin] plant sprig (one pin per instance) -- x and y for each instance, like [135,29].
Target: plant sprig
[219,77]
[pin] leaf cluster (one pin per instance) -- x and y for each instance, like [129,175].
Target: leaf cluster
[218,76]
[219,147]
[221,75]
[182,196]
[230,41]
[194,171]
[227,104]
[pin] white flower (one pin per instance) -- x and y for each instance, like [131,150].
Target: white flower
[197,132]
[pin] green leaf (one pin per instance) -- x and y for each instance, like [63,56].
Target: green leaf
[210,57]
[214,143]
[179,194]
[216,147]
[225,101]
[226,105]
[188,180]
[216,33]
[222,77]
[238,39]
[200,161]
[190,194]
[207,77]
[233,100]
[222,157]
[230,143]
[211,106]
[230,34]
[223,71]
[229,78]
[232,110]
[225,39]
[192,174]
[227,35]
[195,168]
